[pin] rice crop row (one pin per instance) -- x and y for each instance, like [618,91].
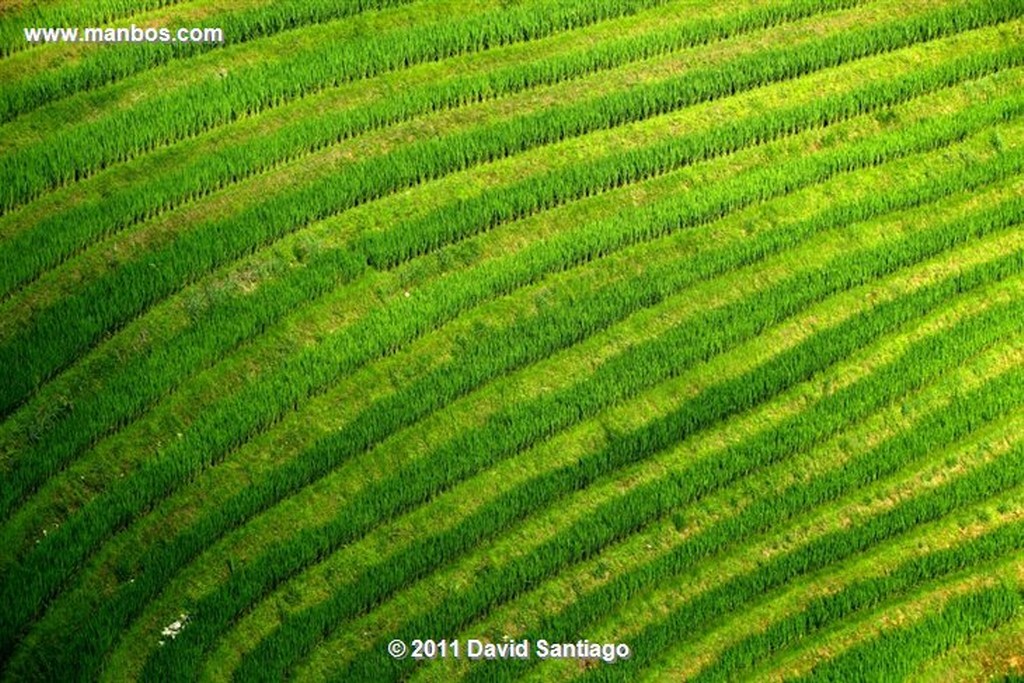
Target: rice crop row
[64,330]
[157,568]
[715,404]
[54,239]
[151,374]
[71,155]
[895,654]
[301,632]
[426,477]
[863,595]
[387,249]
[694,327]
[973,487]
[259,405]
[934,432]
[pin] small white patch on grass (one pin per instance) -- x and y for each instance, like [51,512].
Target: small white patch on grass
[172,630]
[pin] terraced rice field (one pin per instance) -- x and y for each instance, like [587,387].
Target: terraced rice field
[694,327]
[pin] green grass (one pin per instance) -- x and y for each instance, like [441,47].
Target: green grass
[163,475]
[862,595]
[324,265]
[690,326]
[688,417]
[205,174]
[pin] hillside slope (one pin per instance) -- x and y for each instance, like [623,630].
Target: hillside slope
[692,327]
